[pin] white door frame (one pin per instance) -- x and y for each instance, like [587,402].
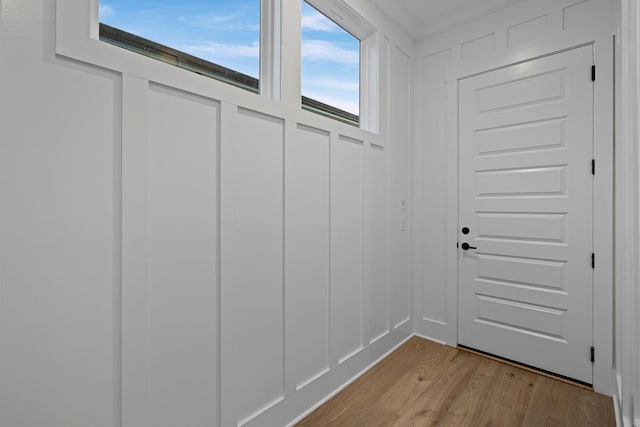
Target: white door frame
[603,374]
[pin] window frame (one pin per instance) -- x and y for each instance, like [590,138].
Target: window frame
[320,107]
[351,22]
[77,37]
[177,58]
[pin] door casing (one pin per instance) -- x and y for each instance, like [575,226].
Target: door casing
[603,374]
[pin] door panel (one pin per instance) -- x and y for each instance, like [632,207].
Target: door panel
[526,194]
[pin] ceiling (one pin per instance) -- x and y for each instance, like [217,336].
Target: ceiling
[422,18]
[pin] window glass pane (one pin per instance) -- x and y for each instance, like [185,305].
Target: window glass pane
[330,65]
[223,32]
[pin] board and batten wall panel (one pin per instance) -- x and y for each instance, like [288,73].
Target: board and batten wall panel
[627,332]
[398,193]
[304,288]
[429,198]
[307,252]
[347,157]
[182,259]
[376,287]
[253,297]
[59,269]
[477,48]
[525,32]
[168,244]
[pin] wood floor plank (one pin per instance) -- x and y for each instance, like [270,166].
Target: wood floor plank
[371,386]
[584,406]
[473,400]
[548,404]
[508,397]
[432,404]
[415,382]
[427,384]
[373,416]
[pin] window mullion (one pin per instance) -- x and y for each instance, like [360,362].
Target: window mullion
[270,49]
[291,43]
[370,49]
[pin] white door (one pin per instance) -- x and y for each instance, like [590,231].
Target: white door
[526,196]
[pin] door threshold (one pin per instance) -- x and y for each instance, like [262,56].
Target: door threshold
[529,368]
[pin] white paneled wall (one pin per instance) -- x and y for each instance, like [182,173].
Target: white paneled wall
[252,288]
[513,34]
[181,257]
[430,201]
[297,284]
[58,290]
[347,164]
[303,265]
[399,131]
[170,338]
[376,288]
[308,239]
[182,252]
[627,351]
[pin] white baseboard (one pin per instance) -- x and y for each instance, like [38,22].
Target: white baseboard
[430,338]
[343,386]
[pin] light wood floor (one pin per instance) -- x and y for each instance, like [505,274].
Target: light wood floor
[425,384]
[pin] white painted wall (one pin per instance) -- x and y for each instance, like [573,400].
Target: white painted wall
[527,29]
[627,350]
[176,251]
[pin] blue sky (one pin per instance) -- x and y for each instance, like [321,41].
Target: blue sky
[227,32]
[330,62]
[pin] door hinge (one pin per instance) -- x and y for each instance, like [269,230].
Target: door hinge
[593,260]
[593,354]
[593,166]
[593,73]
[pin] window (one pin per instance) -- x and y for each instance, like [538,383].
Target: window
[330,67]
[219,39]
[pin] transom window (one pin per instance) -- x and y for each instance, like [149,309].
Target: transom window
[330,67]
[220,39]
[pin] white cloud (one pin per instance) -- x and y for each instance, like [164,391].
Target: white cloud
[106,11]
[230,21]
[334,84]
[223,50]
[320,50]
[317,22]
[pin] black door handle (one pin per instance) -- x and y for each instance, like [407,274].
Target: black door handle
[466,246]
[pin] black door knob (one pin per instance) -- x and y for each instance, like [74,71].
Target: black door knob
[465,230]
[466,246]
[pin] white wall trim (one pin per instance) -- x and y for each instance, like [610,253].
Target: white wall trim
[603,224]
[617,407]
[627,213]
[603,380]
[452,208]
[427,31]
[347,383]
[134,298]
[430,339]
